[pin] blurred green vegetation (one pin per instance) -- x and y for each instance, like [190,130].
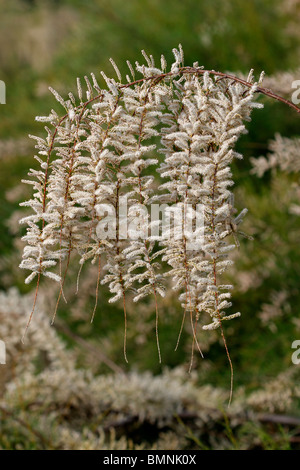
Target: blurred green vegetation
[50,43]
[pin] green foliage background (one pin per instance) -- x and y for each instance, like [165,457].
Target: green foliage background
[50,43]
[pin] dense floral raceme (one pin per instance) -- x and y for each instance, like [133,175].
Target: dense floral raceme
[101,156]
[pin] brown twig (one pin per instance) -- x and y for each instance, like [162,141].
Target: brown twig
[199,71]
[90,347]
[279,419]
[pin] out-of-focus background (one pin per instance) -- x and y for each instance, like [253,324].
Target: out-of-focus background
[65,387]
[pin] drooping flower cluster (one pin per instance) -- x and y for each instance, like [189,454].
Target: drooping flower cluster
[100,157]
[206,120]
